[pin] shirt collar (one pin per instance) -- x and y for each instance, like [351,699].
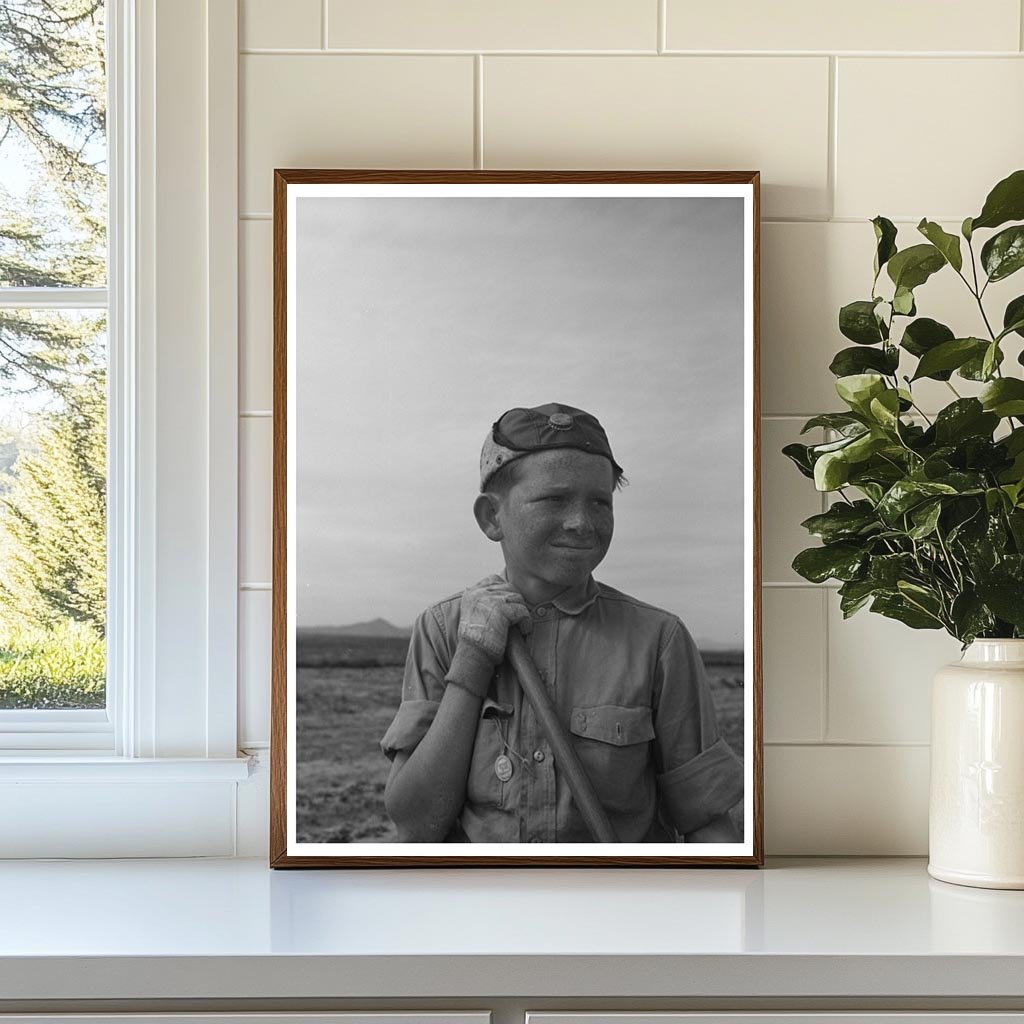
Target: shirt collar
[575,599]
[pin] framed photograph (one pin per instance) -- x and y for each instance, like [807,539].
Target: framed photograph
[516,562]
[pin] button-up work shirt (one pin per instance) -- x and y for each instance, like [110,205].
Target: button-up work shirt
[629,686]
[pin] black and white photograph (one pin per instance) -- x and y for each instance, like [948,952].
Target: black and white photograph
[515,491]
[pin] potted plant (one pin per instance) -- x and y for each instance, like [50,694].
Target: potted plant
[927,521]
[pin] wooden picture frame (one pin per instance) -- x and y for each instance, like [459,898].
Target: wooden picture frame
[408,307]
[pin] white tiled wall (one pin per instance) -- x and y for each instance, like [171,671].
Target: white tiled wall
[909,110]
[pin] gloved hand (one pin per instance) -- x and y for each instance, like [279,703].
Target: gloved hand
[488,609]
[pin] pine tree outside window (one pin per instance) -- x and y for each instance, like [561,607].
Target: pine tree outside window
[53,366]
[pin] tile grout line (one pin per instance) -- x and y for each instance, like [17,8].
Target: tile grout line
[833,134]
[824,723]
[826,692]
[257,51]
[323,25]
[478,111]
[847,744]
[799,584]
[662,41]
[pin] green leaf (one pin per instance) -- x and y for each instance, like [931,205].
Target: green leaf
[970,617]
[1005,202]
[905,494]
[950,355]
[966,417]
[1015,518]
[925,518]
[872,491]
[840,561]
[857,321]
[964,482]
[799,455]
[864,446]
[965,228]
[1012,446]
[991,360]
[849,361]
[885,236]
[923,335]
[817,450]
[1014,441]
[1003,254]
[1013,317]
[854,595]
[1004,397]
[899,608]
[842,521]
[947,244]
[903,302]
[1004,594]
[912,267]
[841,421]
[831,471]
[858,389]
[974,368]
[885,409]
[994,499]
[887,570]
[983,538]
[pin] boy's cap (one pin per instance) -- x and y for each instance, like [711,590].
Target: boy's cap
[519,432]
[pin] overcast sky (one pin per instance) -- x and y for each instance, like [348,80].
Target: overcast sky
[421,320]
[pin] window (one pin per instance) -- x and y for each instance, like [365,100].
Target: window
[156,769]
[53,369]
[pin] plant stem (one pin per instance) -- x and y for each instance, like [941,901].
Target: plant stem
[924,415]
[954,568]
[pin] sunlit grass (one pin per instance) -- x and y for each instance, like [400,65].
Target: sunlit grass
[62,667]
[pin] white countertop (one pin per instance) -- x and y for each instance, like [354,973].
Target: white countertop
[235,928]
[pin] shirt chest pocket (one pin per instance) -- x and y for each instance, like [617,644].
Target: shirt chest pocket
[613,742]
[614,724]
[492,767]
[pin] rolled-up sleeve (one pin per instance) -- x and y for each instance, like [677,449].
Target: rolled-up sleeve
[698,776]
[408,726]
[703,788]
[426,664]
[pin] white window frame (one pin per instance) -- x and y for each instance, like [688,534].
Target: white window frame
[168,739]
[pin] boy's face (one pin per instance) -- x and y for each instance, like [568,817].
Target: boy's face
[556,519]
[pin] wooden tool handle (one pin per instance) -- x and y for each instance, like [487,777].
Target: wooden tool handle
[580,786]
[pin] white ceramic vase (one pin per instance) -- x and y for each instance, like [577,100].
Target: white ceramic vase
[976,813]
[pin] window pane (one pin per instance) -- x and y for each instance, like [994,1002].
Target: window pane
[52,509]
[53,151]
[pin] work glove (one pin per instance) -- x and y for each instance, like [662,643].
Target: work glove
[487,611]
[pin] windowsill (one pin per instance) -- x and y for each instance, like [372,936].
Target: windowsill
[79,766]
[823,929]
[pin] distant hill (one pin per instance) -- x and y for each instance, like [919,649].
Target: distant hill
[375,627]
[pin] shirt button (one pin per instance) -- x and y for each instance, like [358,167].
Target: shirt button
[542,610]
[538,756]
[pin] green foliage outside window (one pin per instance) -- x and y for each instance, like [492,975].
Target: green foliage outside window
[52,365]
[927,525]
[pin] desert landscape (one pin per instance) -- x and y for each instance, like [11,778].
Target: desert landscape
[349,683]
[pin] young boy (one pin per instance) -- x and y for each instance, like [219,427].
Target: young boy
[469,760]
